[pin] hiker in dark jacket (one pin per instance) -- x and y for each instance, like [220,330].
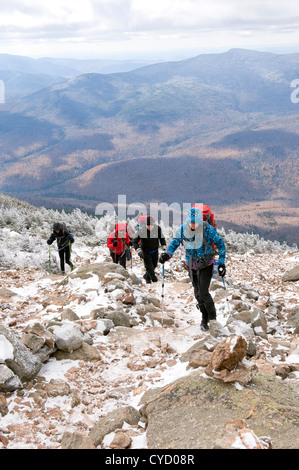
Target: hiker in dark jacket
[64,238]
[146,243]
[118,243]
[199,237]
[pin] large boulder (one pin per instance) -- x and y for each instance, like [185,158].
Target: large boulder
[192,412]
[100,269]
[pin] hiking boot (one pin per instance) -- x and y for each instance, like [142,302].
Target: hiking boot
[147,278]
[154,278]
[204,326]
[210,308]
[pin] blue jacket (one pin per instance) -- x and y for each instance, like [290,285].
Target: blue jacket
[198,242]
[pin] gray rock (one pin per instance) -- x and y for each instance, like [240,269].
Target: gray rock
[208,344]
[44,353]
[238,327]
[6,293]
[68,337]
[161,318]
[69,314]
[33,342]
[252,295]
[84,353]
[244,316]
[75,440]
[113,421]
[143,310]
[259,323]
[119,318]
[293,319]
[154,300]
[291,275]
[100,269]
[217,330]
[24,363]
[9,382]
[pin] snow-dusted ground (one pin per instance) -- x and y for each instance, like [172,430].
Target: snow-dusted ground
[106,385]
[38,421]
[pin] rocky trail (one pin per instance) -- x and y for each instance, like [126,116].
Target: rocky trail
[85,361]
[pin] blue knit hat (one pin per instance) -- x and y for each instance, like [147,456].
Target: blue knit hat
[194,215]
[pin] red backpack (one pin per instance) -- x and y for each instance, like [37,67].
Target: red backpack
[206,214]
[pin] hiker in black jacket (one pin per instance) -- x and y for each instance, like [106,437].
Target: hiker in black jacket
[63,238]
[147,244]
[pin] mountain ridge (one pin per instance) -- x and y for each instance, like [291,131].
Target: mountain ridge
[220,108]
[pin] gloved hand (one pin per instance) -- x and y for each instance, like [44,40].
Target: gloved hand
[49,242]
[70,238]
[221,270]
[140,253]
[164,257]
[115,243]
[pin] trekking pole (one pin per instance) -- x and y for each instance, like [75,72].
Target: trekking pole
[49,259]
[162,295]
[227,301]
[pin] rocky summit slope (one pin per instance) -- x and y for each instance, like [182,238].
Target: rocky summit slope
[93,360]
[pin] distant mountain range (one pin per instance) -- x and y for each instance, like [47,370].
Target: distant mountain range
[219,128]
[25,75]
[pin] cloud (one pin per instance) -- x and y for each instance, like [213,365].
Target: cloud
[140,15]
[129,20]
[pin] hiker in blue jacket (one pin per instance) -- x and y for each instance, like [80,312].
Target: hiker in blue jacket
[199,237]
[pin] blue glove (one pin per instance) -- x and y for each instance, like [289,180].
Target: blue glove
[49,242]
[70,238]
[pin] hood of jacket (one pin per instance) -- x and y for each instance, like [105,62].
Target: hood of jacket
[57,226]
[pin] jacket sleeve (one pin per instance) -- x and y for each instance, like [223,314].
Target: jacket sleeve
[136,242]
[176,241]
[110,241]
[127,239]
[219,242]
[161,237]
[69,236]
[52,238]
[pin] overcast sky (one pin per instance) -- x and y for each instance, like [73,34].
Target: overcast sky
[145,28]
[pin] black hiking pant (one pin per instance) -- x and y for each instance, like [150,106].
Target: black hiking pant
[150,264]
[119,259]
[64,255]
[201,280]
